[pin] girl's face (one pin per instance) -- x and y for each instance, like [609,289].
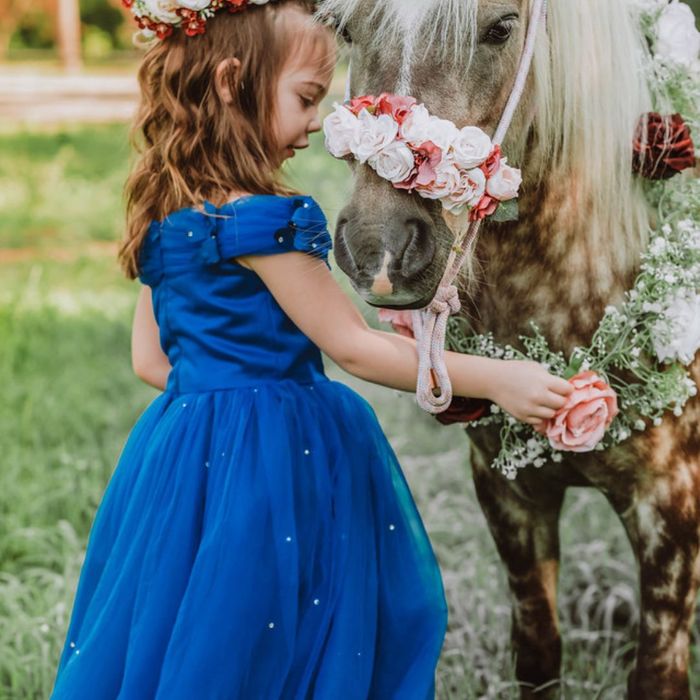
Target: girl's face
[303,83]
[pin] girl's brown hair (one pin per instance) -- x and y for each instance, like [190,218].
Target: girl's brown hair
[193,146]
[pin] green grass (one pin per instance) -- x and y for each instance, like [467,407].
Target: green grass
[70,399]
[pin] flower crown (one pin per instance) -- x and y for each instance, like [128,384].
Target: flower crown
[415,151]
[160,17]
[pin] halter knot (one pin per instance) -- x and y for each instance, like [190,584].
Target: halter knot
[446,300]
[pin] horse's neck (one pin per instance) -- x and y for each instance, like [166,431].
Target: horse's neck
[552,266]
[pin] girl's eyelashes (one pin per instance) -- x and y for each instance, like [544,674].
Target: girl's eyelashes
[307,101]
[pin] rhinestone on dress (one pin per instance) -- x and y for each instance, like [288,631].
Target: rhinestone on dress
[72,644]
[307,452]
[316,601]
[289,539]
[271,625]
[392,526]
[190,234]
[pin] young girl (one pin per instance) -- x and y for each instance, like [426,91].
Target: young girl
[257,539]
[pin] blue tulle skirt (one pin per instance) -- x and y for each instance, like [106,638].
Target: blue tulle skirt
[256,543]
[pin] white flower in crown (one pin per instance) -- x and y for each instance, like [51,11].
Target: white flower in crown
[196,5]
[504,183]
[677,39]
[161,10]
[394,162]
[471,147]
[340,128]
[373,134]
[676,335]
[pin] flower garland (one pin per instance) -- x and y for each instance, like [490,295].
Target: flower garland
[634,369]
[415,151]
[158,18]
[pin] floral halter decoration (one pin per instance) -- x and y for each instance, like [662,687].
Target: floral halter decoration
[418,152]
[160,17]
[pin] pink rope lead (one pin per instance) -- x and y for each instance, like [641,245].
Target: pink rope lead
[433,387]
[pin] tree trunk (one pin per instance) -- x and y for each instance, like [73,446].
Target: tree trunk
[69,34]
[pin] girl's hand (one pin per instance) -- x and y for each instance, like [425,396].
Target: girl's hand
[528,391]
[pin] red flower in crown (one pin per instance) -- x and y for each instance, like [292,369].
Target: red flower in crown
[163,16]
[663,146]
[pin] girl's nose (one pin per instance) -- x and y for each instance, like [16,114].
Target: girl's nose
[314,125]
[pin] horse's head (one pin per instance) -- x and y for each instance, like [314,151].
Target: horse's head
[458,57]
[586,91]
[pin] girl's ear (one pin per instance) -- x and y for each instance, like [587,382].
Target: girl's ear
[226,76]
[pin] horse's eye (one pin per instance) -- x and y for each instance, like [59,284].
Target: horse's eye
[333,22]
[500,32]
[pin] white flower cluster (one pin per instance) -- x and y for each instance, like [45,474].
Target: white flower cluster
[676,38]
[422,153]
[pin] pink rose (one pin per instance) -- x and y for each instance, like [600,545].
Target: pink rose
[427,157]
[504,183]
[581,423]
[401,321]
[396,106]
[357,104]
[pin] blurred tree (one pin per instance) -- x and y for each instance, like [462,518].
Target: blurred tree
[11,12]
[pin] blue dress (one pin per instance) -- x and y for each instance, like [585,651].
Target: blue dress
[257,539]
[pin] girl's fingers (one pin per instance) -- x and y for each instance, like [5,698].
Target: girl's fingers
[561,386]
[554,401]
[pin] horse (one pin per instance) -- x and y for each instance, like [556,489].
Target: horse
[574,249]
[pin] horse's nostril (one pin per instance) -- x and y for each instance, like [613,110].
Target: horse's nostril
[420,250]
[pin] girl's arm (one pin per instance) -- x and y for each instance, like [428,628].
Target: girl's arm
[309,295]
[149,361]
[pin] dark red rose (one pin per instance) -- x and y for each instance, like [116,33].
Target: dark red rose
[463,409]
[667,149]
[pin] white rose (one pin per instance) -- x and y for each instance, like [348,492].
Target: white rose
[373,134]
[471,147]
[471,188]
[504,183]
[676,335]
[447,178]
[196,5]
[676,37]
[415,127]
[161,11]
[420,127]
[442,133]
[340,128]
[394,162]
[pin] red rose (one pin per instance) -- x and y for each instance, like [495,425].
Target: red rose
[662,146]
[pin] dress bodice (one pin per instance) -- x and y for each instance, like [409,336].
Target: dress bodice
[219,324]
